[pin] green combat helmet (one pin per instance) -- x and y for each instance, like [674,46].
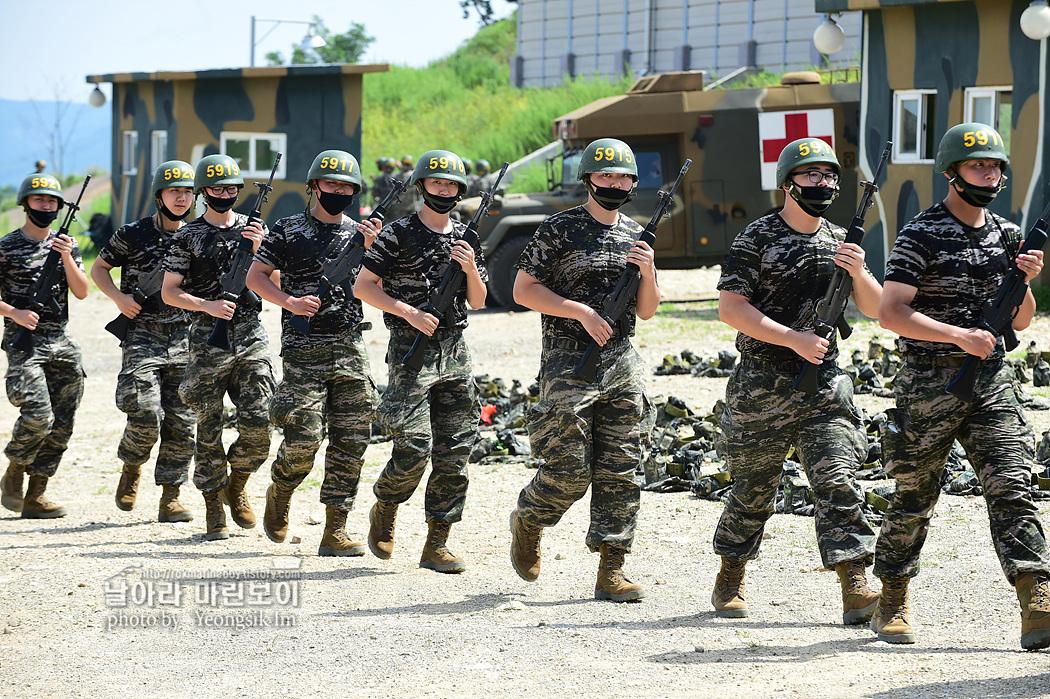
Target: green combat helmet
[40,184]
[607,155]
[337,165]
[406,161]
[970,141]
[483,167]
[445,165]
[803,152]
[217,171]
[173,173]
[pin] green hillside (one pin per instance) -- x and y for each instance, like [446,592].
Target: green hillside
[465,103]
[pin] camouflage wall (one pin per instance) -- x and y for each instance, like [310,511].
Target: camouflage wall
[946,47]
[314,107]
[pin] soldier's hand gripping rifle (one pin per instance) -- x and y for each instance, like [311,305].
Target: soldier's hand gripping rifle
[336,269]
[40,293]
[441,298]
[148,286]
[997,314]
[830,309]
[233,281]
[626,288]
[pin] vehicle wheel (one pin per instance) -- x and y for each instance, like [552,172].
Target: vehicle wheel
[501,273]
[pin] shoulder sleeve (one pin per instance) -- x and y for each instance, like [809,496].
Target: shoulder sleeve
[743,263]
[177,261]
[909,257]
[271,251]
[542,247]
[381,254]
[116,251]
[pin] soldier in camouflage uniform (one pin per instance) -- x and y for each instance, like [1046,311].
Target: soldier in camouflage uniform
[589,434]
[432,414]
[46,382]
[326,375]
[155,349]
[777,270]
[945,264]
[483,181]
[409,201]
[193,268]
[381,184]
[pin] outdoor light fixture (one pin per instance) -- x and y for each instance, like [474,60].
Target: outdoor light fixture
[1035,21]
[97,98]
[829,37]
[311,40]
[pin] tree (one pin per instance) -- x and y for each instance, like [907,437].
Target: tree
[347,47]
[53,131]
[482,7]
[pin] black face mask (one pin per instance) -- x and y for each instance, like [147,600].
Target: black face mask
[814,200]
[973,195]
[41,219]
[334,203]
[168,214]
[441,205]
[220,205]
[609,198]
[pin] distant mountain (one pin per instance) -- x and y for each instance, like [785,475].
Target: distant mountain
[23,139]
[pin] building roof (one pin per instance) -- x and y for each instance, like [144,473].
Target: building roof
[263,72]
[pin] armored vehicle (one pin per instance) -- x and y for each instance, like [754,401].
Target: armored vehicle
[733,137]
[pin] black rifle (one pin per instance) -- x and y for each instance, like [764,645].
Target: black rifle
[997,314]
[626,288]
[148,285]
[831,308]
[40,292]
[233,281]
[441,299]
[336,268]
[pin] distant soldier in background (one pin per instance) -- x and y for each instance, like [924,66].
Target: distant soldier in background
[155,350]
[383,183]
[432,414]
[46,382]
[471,178]
[326,374]
[41,165]
[196,261]
[409,202]
[484,180]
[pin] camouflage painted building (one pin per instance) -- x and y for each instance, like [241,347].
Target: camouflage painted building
[249,114]
[931,64]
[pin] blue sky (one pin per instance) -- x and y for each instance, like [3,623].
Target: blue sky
[49,48]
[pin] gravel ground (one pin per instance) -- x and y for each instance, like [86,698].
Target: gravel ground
[361,626]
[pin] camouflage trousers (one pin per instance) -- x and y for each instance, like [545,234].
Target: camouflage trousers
[46,385]
[763,418]
[999,443]
[589,435]
[331,383]
[153,365]
[245,373]
[432,415]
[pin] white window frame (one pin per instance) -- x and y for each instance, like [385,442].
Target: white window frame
[129,146]
[251,168]
[972,94]
[158,148]
[923,132]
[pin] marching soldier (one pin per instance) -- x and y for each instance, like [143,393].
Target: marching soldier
[777,270]
[155,350]
[46,382]
[945,264]
[431,414]
[326,373]
[589,434]
[194,266]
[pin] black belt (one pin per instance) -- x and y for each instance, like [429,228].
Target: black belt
[945,360]
[568,343]
[786,365]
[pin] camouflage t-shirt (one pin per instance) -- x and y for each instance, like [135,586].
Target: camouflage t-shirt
[202,253]
[411,259]
[298,245]
[784,274]
[21,260]
[955,269]
[580,259]
[137,249]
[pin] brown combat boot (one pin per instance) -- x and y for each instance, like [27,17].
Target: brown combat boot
[237,500]
[128,487]
[381,521]
[524,547]
[728,596]
[858,602]
[11,493]
[612,584]
[215,516]
[275,516]
[335,542]
[171,510]
[35,505]
[1034,595]
[436,555]
[890,620]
